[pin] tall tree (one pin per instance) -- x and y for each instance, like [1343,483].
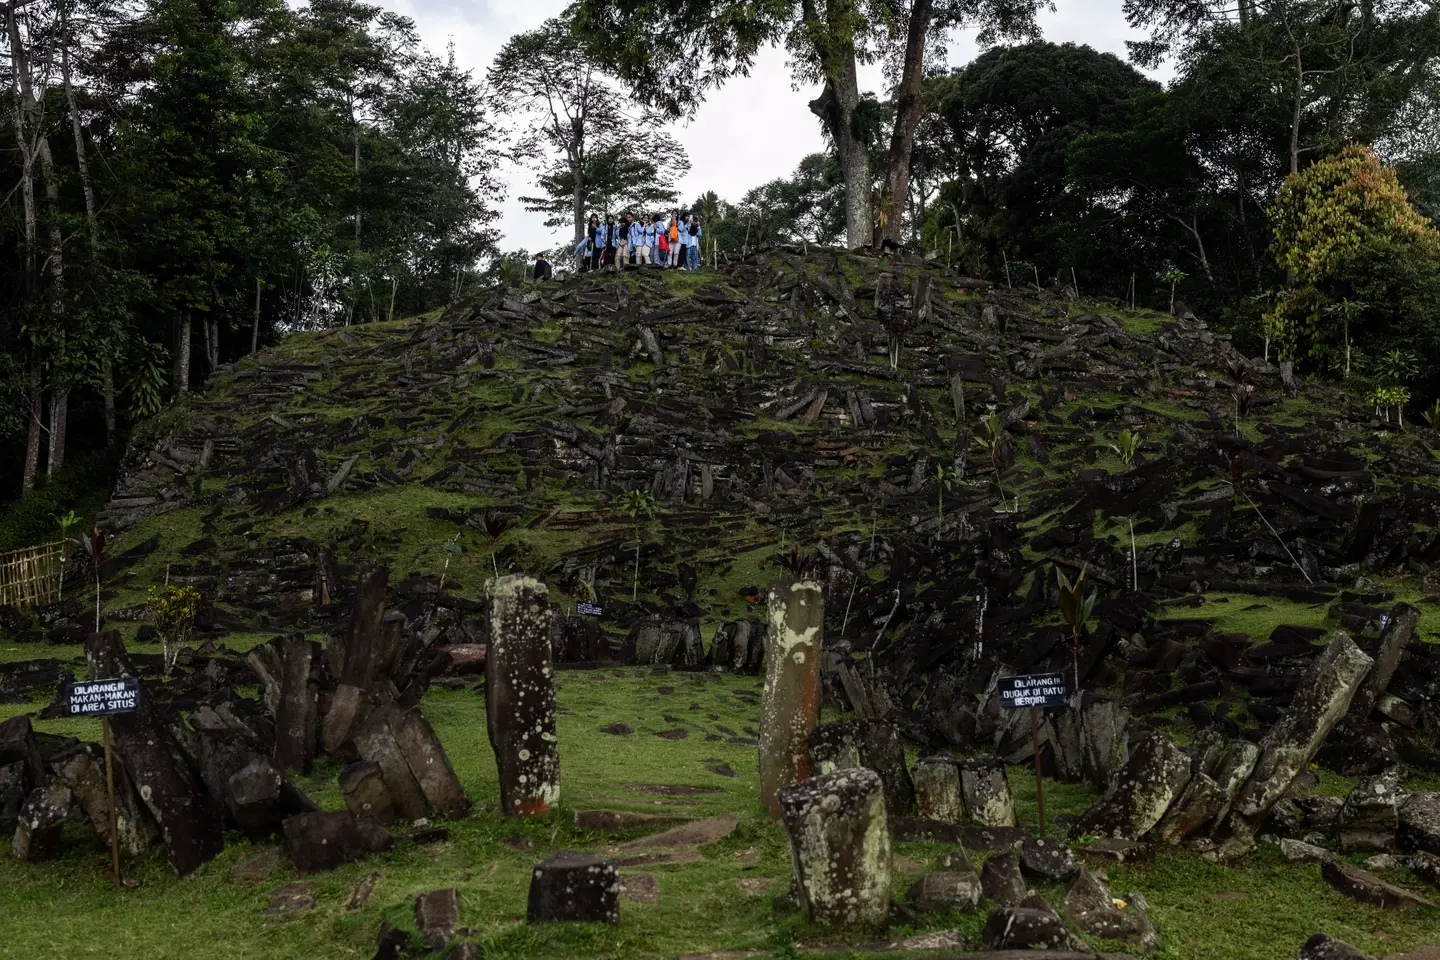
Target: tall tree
[577,130]
[924,25]
[827,41]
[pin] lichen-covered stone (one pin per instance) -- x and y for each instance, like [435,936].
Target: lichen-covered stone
[988,800]
[1322,946]
[1371,814]
[1419,822]
[1140,793]
[946,890]
[44,810]
[1233,771]
[1321,699]
[1399,629]
[937,790]
[1091,907]
[1048,858]
[840,847]
[1367,888]
[835,746]
[790,701]
[1001,881]
[1195,807]
[520,697]
[1024,928]
[574,887]
[882,750]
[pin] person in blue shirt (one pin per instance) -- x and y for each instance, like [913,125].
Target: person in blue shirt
[637,239]
[588,249]
[610,242]
[647,240]
[694,249]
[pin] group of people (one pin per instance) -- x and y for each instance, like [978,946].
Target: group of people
[650,241]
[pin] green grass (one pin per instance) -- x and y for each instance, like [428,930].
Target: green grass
[70,910]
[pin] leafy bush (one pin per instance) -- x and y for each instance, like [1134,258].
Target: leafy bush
[1366,266]
[83,487]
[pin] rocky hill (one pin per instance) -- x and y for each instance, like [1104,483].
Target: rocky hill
[757,406]
[657,448]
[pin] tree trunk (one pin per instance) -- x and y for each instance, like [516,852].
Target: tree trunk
[32,438]
[182,354]
[59,416]
[255,326]
[107,396]
[81,163]
[27,159]
[1295,116]
[357,187]
[212,341]
[836,107]
[909,111]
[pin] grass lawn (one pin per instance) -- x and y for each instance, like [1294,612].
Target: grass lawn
[1259,909]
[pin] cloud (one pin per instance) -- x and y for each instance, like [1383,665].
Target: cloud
[751,131]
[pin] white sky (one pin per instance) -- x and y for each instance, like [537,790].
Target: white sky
[749,132]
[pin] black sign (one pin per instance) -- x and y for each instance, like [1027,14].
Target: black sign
[100,697]
[1034,690]
[587,609]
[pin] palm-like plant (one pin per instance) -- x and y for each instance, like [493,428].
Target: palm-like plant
[1347,310]
[492,526]
[639,506]
[1076,608]
[452,547]
[65,521]
[1432,416]
[992,441]
[1174,276]
[1127,445]
[797,563]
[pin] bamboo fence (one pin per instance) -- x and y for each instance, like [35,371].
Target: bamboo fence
[31,576]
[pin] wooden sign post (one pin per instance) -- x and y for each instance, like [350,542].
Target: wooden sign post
[1035,691]
[103,698]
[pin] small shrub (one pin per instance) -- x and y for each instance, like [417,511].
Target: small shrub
[175,609]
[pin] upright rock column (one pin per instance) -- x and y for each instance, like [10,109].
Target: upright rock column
[790,704]
[520,696]
[840,844]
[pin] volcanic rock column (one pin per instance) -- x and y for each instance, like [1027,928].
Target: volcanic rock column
[840,844]
[520,696]
[790,704]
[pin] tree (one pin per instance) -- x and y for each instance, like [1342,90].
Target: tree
[827,40]
[805,207]
[1366,264]
[924,25]
[1014,116]
[586,142]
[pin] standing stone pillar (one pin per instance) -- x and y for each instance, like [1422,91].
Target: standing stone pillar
[790,704]
[987,792]
[840,845]
[937,789]
[520,696]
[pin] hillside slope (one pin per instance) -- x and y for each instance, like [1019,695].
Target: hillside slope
[756,404]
